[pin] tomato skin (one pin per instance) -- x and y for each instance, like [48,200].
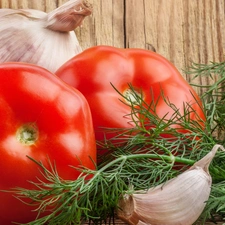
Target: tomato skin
[32,95]
[93,71]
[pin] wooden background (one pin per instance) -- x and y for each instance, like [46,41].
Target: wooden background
[180,30]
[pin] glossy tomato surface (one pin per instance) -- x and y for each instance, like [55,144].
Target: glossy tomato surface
[96,69]
[43,118]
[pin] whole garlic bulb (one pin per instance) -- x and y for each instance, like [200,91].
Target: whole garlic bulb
[180,201]
[45,39]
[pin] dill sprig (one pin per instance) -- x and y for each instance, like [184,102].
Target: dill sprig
[214,95]
[153,151]
[214,105]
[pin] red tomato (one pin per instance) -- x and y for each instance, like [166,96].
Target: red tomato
[44,118]
[93,71]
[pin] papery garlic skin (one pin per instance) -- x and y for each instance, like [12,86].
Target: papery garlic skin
[180,201]
[76,11]
[45,39]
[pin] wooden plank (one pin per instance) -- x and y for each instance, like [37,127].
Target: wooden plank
[104,26]
[180,30]
[117,221]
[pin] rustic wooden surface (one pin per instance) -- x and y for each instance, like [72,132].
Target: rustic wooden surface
[180,30]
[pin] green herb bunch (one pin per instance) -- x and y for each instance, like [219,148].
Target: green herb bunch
[150,153]
[214,106]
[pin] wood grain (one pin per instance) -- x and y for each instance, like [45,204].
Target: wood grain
[180,30]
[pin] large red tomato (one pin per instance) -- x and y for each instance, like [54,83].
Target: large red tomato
[43,118]
[95,69]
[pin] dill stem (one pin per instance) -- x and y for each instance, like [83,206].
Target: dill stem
[166,158]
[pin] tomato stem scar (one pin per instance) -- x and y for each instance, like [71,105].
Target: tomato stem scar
[27,134]
[131,96]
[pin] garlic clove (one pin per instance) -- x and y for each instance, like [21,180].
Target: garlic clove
[177,202]
[45,39]
[180,201]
